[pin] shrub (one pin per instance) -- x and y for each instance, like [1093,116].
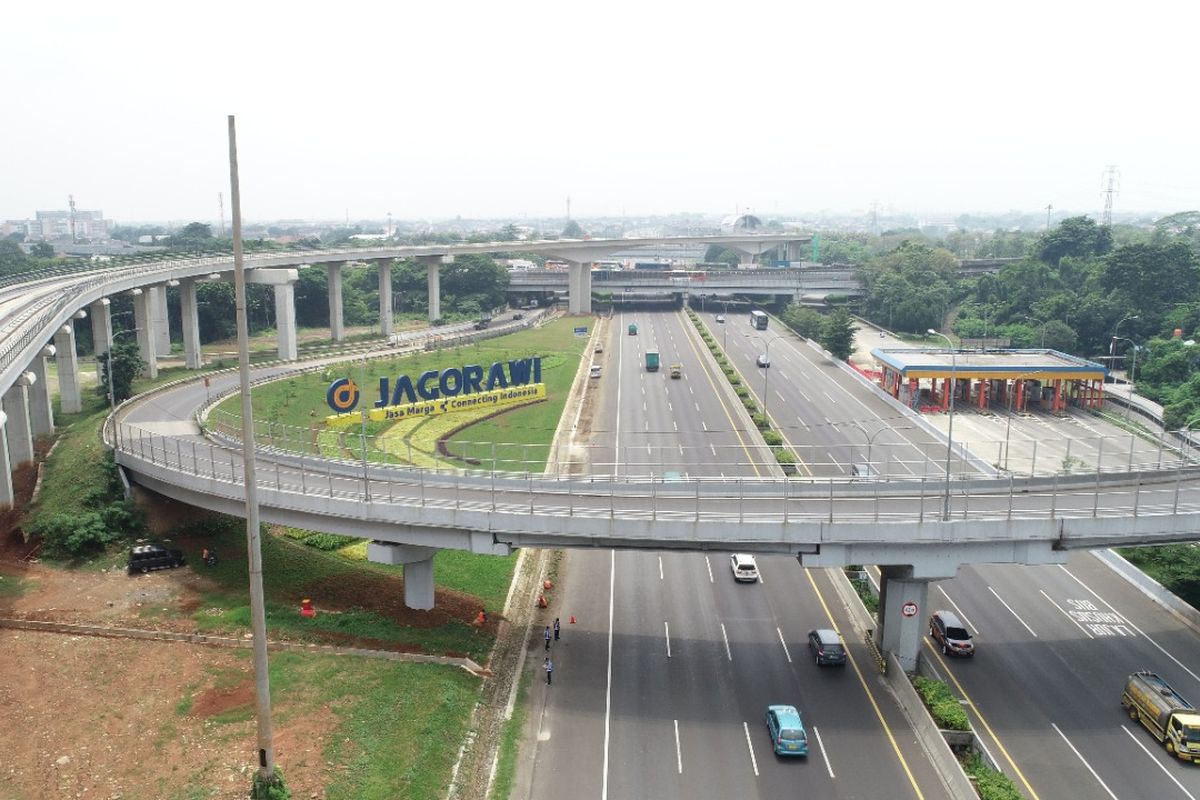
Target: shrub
[771,437]
[785,456]
[946,710]
[269,789]
[760,422]
[742,392]
[990,784]
[328,541]
[750,405]
[79,534]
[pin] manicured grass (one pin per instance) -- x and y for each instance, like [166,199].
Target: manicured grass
[486,577]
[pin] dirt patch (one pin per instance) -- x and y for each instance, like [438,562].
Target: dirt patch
[214,701]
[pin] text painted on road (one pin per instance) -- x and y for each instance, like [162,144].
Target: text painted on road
[1099,623]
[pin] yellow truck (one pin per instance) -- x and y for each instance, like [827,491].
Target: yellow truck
[676,370]
[1173,720]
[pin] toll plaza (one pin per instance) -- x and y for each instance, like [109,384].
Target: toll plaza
[1013,379]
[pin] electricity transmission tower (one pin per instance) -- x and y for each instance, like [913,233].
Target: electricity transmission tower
[1111,186]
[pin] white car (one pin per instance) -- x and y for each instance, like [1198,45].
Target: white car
[595,370]
[720,318]
[744,567]
[763,361]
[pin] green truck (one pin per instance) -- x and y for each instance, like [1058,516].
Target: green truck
[651,361]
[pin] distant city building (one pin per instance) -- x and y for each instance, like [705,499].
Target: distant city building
[56,226]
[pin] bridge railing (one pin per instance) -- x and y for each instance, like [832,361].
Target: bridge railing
[293,480]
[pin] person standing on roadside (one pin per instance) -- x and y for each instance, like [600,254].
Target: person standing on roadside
[549,667]
[556,629]
[547,637]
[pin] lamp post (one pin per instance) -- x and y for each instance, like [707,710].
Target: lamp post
[1042,325]
[1185,440]
[1008,421]
[1129,379]
[950,429]
[767,369]
[1112,345]
[870,436]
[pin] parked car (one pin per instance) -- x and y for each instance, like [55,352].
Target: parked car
[146,557]
[595,372]
[518,315]
[599,348]
[788,737]
[952,637]
[827,647]
[763,361]
[744,567]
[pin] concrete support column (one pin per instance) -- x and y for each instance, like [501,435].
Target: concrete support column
[69,394]
[101,327]
[418,569]
[6,484]
[900,633]
[20,435]
[41,410]
[433,266]
[579,286]
[159,319]
[387,325]
[191,324]
[285,320]
[145,337]
[337,326]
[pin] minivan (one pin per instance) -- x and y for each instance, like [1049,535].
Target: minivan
[951,635]
[788,737]
[827,647]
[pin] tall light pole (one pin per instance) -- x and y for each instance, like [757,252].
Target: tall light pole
[870,436]
[1043,327]
[950,429]
[1008,421]
[1185,440]
[767,369]
[1112,345]
[1129,378]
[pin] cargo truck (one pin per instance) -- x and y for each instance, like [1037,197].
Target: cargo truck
[651,361]
[1173,720]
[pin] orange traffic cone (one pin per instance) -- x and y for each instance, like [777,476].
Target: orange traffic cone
[572,619]
[547,584]
[542,601]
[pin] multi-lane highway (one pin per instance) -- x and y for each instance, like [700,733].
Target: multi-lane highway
[662,683]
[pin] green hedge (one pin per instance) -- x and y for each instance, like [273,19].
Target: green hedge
[771,437]
[990,784]
[942,704]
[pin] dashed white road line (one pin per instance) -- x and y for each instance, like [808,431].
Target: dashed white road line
[784,643]
[708,564]
[728,652]
[1015,614]
[667,631]
[824,755]
[1078,755]
[1158,763]
[949,600]
[678,752]
[660,571]
[750,745]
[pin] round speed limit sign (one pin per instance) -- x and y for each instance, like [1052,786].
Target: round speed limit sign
[909,609]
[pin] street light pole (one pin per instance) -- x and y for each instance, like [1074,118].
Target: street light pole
[950,429]
[1112,345]
[766,369]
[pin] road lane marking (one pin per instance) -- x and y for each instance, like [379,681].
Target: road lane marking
[713,447]
[612,577]
[667,630]
[1101,623]
[750,745]
[708,564]
[670,409]
[961,615]
[824,755]
[728,654]
[982,720]
[1010,610]
[678,753]
[1161,649]
[704,425]
[697,405]
[1157,763]
[912,779]
[785,647]
[1078,755]
[807,399]
[1068,616]
[675,425]
[660,573]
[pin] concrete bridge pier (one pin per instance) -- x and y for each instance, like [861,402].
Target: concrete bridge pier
[69,393]
[579,287]
[101,326]
[20,435]
[283,281]
[160,321]
[191,324]
[337,325]
[418,569]
[6,484]
[433,266]
[41,411]
[145,336]
[900,633]
[387,324]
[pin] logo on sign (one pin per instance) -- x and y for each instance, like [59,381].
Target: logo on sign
[909,609]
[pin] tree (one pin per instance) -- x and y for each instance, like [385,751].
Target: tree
[1152,277]
[126,363]
[13,258]
[1076,236]
[805,321]
[572,230]
[837,334]
[42,250]
[911,287]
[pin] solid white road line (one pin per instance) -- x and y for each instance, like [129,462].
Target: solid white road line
[667,631]
[612,576]
[1158,763]
[950,600]
[708,564]
[1078,755]
[785,647]
[1086,632]
[750,745]
[1006,605]
[728,654]
[1130,623]
[678,753]
[824,755]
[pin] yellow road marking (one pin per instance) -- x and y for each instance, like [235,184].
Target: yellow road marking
[688,326]
[978,713]
[870,696]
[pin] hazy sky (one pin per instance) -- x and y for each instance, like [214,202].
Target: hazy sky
[434,108]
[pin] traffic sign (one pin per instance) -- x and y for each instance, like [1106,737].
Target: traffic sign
[581,331]
[909,609]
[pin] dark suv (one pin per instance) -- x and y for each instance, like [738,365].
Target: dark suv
[146,557]
[827,647]
[946,629]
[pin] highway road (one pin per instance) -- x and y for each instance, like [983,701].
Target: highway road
[662,682]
